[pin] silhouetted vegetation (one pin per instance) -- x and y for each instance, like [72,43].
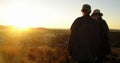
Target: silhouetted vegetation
[41,45]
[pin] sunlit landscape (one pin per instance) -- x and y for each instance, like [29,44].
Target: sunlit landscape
[38,31]
[41,45]
[33,46]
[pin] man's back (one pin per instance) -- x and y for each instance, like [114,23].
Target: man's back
[82,38]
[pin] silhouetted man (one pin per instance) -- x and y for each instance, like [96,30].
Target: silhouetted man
[83,40]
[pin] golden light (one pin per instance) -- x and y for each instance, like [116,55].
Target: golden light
[21,26]
[23,17]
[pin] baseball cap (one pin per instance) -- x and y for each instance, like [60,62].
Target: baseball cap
[86,7]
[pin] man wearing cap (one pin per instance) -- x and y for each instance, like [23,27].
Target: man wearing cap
[83,39]
[102,30]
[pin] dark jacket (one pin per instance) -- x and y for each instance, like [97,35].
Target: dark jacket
[103,31]
[83,39]
[88,39]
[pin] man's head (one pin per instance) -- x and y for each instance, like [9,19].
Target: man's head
[86,9]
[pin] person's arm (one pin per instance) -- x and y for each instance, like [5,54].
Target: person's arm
[106,45]
[73,31]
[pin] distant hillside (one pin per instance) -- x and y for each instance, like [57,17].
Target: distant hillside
[2,27]
[115,38]
[114,30]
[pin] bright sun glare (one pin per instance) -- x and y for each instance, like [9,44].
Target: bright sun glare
[23,17]
[21,25]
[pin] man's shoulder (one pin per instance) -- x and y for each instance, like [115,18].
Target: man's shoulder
[80,18]
[84,19]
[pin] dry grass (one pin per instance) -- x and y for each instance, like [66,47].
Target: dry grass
[37,46]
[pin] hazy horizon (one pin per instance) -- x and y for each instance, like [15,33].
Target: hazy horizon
[54,13]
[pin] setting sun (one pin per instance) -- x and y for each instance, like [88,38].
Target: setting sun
[20,25]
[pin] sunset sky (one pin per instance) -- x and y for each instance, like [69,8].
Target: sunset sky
[55,13]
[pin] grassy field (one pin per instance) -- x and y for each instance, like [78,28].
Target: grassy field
[41,45]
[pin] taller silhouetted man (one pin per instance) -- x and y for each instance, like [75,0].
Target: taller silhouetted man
[83,40]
